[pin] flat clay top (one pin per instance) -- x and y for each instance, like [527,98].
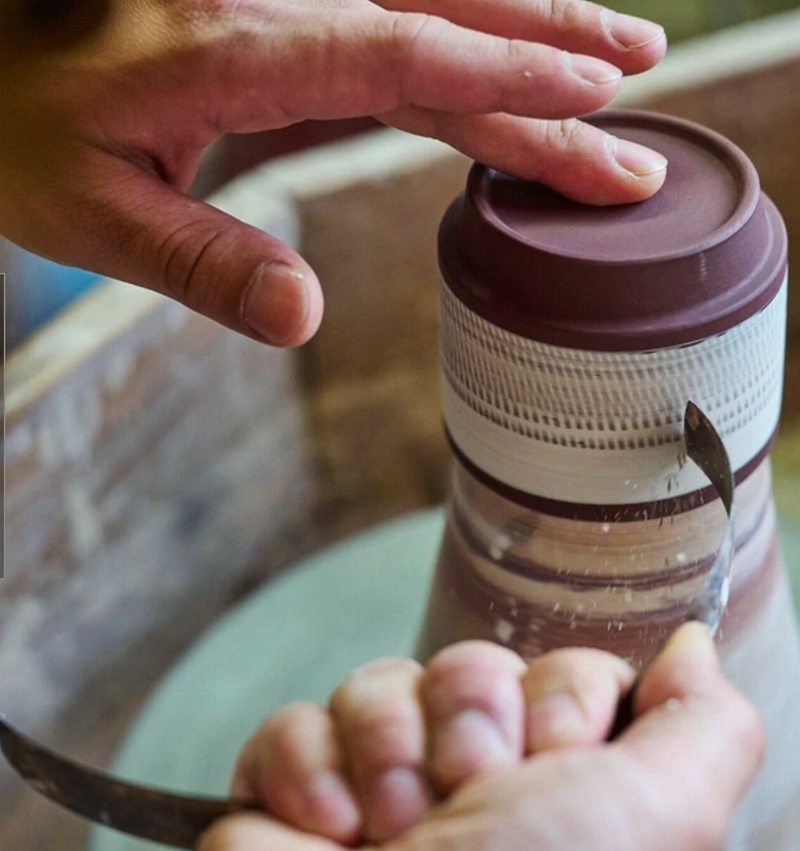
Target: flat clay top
[700,256]
[711,192]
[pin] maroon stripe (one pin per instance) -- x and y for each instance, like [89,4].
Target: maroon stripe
[671,575]
[620,513]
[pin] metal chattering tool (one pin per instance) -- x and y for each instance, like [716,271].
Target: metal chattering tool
[175,820]
[705,448]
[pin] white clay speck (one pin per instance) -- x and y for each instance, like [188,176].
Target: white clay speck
[504,631]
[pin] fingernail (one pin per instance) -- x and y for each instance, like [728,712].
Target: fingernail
[555,720]
[636,159]
[469,740]
[330,803]
[275,304]
[398,799]
[591,70]
[629,32]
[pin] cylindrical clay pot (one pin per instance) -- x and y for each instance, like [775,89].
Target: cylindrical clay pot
[572,339]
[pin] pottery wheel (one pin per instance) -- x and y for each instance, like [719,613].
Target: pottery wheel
[294,639]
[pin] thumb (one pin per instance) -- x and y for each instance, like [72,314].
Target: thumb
[697,739]
[155,236]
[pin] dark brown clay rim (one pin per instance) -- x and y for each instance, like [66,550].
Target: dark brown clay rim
[621,513]
[683,330]
[749,290]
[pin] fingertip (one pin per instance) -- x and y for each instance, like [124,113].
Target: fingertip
[631,173]
[282,304]
[690,647]
[641,43]
[649,55]
[687,666]
[571,157]
[644,169]
[692,635]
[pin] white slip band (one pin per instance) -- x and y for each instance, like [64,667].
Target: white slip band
[605,428]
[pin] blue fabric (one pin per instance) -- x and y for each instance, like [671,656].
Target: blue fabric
[37,290]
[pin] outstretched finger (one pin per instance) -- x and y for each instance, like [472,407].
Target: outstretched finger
[632,44]
[363,60]
[572,157]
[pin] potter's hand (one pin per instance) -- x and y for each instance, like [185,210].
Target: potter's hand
[530,741]
[109,103]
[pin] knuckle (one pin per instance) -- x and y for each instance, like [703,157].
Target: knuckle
[570,14]
[293,715]
[185,254]
[407,28]
[470,655]
[283,731]
[583,666]
[563,14]
[376,682]
[564,134]
[473,675]
[387,667]
[516,51]
[409,46]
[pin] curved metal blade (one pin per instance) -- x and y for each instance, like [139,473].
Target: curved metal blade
[705,447]
[175,820]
